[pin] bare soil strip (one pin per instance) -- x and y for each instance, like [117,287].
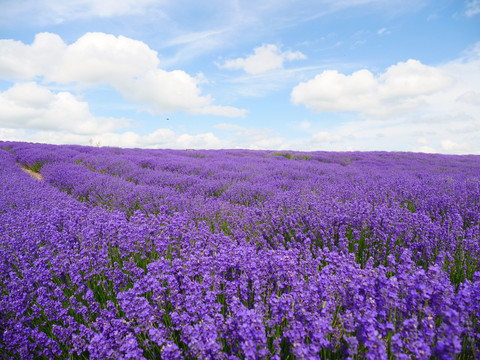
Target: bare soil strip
[32,173]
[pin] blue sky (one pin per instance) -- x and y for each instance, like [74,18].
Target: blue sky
[302,75]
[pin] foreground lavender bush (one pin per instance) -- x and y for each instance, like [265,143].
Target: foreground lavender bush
[143,254]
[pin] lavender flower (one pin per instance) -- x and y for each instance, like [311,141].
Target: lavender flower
[142,254]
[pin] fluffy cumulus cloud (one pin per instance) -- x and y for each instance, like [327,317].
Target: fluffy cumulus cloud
[410,106]
[30,106]
[266,57]
[97,58]
[128,65]
[398,90]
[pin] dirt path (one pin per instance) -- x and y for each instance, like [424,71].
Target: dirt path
[33,173]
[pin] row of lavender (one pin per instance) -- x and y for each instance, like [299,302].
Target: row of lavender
[238,254]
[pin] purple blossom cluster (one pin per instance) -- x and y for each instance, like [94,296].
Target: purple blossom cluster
[236,254]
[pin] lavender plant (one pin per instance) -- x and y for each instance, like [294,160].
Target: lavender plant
[236,254]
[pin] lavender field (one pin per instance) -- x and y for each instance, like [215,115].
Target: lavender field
[233,254]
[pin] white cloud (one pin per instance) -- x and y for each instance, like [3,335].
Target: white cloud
[254,139]
[422,140]
[259,139]
[207,140]
[167,91]
[97,58]
[163,138]
[450,145]
[20,61]
[409,107]
[473,8]
[412,133]
[398,90]
[426,149]
[326,137]
[128,65]
[159,139]
[30,106]
[411,79]
[266,57]
[331,91]
[470,97]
